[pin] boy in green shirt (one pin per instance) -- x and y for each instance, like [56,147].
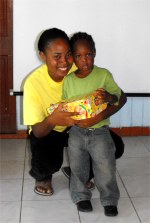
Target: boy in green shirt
[90,138]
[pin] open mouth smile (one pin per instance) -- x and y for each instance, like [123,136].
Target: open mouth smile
[63,68]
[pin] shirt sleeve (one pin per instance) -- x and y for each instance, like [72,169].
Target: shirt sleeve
[32,107]
[112,87]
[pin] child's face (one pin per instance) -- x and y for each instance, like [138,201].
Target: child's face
[83,57]
[58,58]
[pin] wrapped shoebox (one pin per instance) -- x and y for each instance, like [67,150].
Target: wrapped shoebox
[88,106]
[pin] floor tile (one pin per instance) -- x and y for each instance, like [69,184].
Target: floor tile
[137,186]
[133,166]
[9,212]
[133,177]
[12,149]
[11,170]
[10,190]
[142,206]
[134,147]
[54,211]
[146,141]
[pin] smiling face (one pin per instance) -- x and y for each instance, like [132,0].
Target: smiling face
[83,57]
[58,58]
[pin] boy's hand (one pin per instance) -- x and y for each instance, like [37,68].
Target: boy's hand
[105,96]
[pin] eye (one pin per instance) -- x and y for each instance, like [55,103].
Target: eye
[78,56]
[69,54]
[57,56]
[89,55]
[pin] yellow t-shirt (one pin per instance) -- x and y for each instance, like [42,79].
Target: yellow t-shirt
[39,92]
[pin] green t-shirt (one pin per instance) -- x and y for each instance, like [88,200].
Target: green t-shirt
[98,78]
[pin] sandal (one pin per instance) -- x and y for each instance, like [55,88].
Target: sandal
[44,188]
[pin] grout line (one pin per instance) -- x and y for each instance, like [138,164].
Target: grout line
[79,217]
[23,181]
[129,197]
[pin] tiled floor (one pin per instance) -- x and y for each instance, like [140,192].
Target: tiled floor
[19,204]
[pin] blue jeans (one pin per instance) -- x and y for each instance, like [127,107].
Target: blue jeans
[97,144]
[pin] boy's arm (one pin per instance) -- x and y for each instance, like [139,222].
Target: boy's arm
[109,111]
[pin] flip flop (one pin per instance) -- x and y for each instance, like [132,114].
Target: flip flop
[43,188]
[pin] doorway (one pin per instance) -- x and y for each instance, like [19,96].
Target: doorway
[7,102]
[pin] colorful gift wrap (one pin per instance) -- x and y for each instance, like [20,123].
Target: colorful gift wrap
[88,107]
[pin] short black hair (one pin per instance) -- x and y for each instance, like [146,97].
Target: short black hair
[49,35]
[82,36]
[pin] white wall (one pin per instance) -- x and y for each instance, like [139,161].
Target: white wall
[121,32]
[120,29]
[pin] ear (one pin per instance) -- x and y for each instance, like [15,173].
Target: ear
[42,55]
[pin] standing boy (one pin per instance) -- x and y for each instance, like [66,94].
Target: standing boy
[91,137]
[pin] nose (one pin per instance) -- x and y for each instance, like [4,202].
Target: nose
[84,58]
[64,60]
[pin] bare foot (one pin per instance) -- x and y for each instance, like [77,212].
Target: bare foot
[44,187]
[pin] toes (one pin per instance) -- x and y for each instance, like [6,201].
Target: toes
[44,188]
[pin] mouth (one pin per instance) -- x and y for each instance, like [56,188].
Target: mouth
[85,67]
[63,68]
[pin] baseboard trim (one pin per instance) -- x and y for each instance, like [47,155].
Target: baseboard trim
[20,134]
[132,131]
[124,131]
